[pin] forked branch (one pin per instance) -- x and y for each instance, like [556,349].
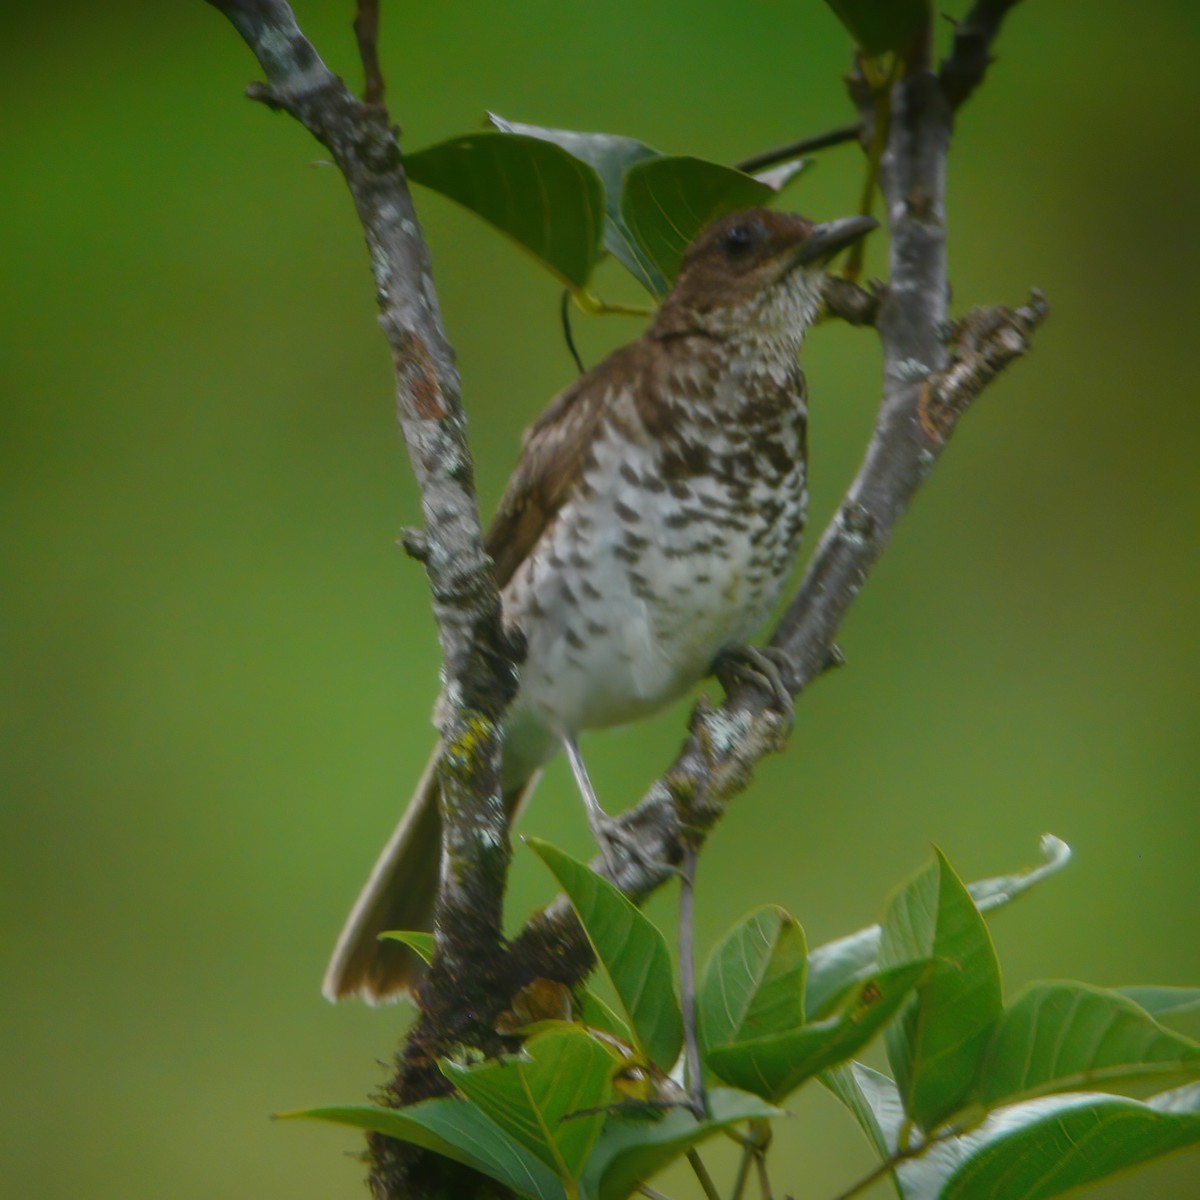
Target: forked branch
[931,379]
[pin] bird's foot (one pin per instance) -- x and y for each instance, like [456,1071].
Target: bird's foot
[613,841]
[765,667]
[611,836]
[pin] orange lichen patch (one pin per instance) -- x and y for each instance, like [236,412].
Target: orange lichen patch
[414,367]
[937,418]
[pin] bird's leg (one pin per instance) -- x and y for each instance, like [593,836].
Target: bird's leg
[693,1075]
[762,666]
[605,829]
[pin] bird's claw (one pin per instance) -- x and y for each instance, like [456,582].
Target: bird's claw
[762,666]
[613,839]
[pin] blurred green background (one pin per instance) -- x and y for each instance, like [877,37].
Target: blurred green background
[218,668]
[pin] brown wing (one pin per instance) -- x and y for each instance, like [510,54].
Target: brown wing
[554,453]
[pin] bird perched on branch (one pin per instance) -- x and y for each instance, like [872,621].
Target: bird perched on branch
[647,530]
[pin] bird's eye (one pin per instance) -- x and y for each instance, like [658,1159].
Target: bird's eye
[738,239]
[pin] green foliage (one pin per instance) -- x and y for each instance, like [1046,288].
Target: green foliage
[1029,1151]
[545,199]
[550,1098]
[879,26]
[1054,1147]
[665,202]
[837,965]
[935,1047]
[420,942]
[754,982]
[1055,1037]
[569,197]
[982,1106]
[633,1149]
[631,952]
[456,1129]
[774,1066]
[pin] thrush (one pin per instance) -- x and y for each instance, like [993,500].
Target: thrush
[649,526]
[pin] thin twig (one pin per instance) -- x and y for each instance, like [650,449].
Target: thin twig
[707,1186]
[693,1072]
[848,301]
[880,100]
[743,1172]
[895,1159]
[366,32]
[808,145]
[971,55]
[764,1179]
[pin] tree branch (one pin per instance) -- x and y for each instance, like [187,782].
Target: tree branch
[964,68]
[479,678]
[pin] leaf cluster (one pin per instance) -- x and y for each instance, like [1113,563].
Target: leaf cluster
[1023,1100]
[571,198]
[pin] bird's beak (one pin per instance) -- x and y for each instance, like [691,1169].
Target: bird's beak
[826,240]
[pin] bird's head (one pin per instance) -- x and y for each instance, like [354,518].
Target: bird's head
[756,272]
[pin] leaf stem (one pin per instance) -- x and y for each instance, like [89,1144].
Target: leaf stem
[892,1162]
[595,307]
[568,334]
[739,1184]
[707,1186]
[881,94]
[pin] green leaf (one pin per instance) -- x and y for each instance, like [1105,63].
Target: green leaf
[1045,1147]
[667,201]
[874,1103]
[836,966]
[754,982]
[991,894]
[1162,1002]
[1058,1037]
[936,1046]
[456,1129]
[773,1066]
[783,174]
[633,1149]
[596,1014]
[545,199]
[881,25]
[631,952]
[420,943]
[533,1096]
[610,155]
[1028,1151]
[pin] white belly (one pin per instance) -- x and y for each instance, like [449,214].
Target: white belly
[634,592]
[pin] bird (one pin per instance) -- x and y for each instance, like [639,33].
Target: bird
[648,528]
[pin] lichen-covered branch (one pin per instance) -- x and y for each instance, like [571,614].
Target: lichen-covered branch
[479,675]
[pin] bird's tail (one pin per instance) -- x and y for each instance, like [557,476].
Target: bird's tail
[400,893]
